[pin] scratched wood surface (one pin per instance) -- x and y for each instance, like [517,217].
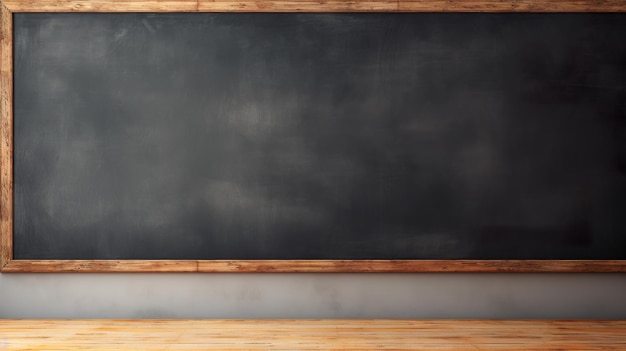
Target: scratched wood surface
[315,266]
[311,335]
[6,135]
[316,5]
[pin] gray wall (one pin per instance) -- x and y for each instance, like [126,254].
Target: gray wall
[157,295]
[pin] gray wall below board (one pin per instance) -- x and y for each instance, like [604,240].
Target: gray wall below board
[169,295]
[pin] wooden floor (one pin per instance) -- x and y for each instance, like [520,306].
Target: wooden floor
[364,334]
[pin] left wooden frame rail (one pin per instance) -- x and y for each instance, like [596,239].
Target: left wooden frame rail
[8,264]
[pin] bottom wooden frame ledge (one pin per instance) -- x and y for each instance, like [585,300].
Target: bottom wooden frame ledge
[364,334]
[319,266]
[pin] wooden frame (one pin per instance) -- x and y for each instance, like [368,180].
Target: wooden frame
[8,264]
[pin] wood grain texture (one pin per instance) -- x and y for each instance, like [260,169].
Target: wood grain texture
[442,335]
[512,6]
[101,5]
[91,266]
[314,266]
[299,6]
[408,266]
[316,6]
[6,136]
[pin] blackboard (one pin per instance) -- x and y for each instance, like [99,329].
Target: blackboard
[310,136]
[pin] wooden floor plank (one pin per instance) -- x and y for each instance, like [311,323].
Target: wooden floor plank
[366,334]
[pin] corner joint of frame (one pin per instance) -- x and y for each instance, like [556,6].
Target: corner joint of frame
[4,264]
[4,8]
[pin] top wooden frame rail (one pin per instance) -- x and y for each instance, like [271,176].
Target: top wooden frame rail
[8,264]
[315,5]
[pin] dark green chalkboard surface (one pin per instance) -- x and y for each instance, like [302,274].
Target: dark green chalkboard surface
[319,136]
